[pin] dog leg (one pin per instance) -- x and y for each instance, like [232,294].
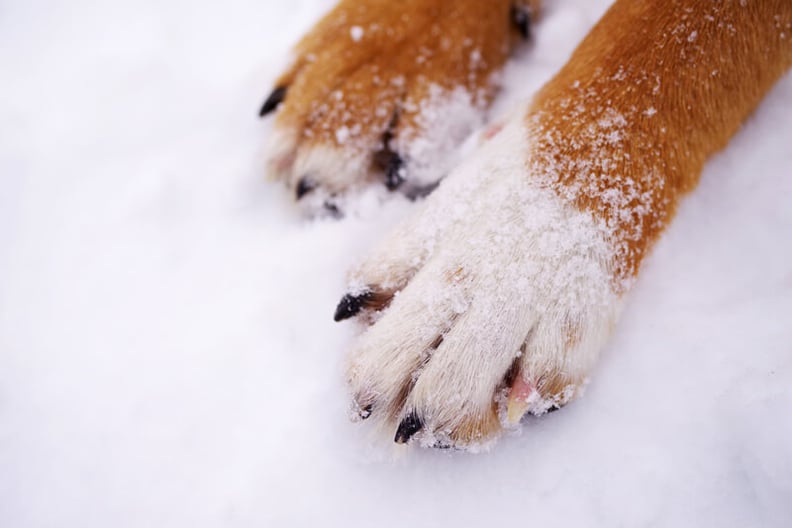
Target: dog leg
[506,284]
[384,91]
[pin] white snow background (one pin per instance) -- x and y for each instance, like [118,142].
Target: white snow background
[167,351]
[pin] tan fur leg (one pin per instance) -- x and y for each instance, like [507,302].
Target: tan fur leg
[653,91]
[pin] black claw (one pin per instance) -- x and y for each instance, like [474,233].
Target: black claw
[365,412]
[389,161]
[332,209]
[275,98]
[407,428]
[422,191]
[350,305]
[394,175]
[304,186]
[521,18]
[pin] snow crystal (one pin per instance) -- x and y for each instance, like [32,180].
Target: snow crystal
[356,32]
[342,134]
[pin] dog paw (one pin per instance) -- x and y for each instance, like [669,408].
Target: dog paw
[492,301]
[385,91]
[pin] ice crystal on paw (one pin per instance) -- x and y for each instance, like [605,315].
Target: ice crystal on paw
[445,119]
[356,32]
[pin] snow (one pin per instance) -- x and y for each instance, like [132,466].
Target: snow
[356,32]
[167,350]
[446,119]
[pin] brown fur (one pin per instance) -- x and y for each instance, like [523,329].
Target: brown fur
[684,74]
[386,75]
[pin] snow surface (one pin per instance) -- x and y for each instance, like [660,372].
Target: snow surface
[167,352]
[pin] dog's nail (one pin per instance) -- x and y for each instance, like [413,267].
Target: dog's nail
[365,411]
[332,209]
[423,191]
[407,428]
[394,176]
[516,410]
[275,98]
[519,394]
[350,305]
[521,18]
[304,186]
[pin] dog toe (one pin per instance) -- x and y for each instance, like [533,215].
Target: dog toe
[558,356]
[456,393]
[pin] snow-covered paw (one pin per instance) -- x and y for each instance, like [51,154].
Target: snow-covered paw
[493,300]
[385,91]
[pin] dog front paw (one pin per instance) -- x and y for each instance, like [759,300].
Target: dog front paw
[492,301]
[384,90]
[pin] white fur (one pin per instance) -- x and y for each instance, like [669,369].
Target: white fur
[280,150]
[332,168]
[498,260]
